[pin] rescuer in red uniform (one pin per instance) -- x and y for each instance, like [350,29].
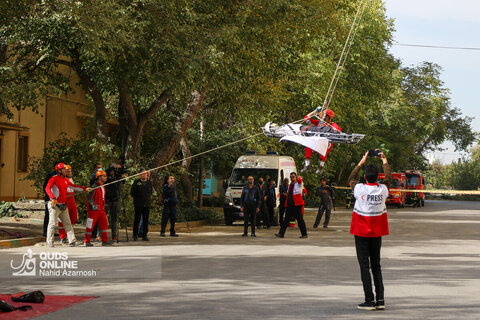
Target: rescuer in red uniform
[326,124]
[96,209]
[294,204]
[56,190]
[71,205]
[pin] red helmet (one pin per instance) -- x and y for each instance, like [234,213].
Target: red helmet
[59,166]
[329,113]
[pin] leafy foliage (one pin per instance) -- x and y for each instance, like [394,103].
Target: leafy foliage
[7,210]
[155,65]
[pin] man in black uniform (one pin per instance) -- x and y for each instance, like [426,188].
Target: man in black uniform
[263,205]
[283,197]
[170,200]
[112,199]
[326,193]
[250,205]
[142,190]
[271,201]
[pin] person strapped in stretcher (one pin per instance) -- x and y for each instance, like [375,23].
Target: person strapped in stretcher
[322,126]
[317,135]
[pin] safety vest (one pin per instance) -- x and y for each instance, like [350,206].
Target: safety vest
[297,193]
[293,221]
[369,218]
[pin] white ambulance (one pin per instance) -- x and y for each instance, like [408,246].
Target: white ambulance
[269,165]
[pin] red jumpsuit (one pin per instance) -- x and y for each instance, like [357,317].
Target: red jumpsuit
[316,123]
[96,213]
[72,210]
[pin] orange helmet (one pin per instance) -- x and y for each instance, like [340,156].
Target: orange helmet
[68,167]
[100,173]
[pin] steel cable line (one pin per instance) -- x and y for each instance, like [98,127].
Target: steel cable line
[354,25]
[434,46]
[348,51]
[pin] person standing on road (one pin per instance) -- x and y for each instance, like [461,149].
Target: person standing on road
[250,205]
[96,210]
[283,196]
[369,224]
[294,205]
[114,172]
[271,201]
[71,205]
[46,198]
[170,200]
[57,192]
[325,192]
[263,204]
[142,190]
[93,179]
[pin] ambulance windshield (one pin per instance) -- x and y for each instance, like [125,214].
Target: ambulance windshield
[240,176]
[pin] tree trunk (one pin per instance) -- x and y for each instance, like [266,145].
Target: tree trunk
[97,97]
[3,54]
[202,169]
[100,117]
[341,172]
[133,123]
[180,127]
[185,178]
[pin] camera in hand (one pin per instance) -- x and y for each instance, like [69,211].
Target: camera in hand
[374,153]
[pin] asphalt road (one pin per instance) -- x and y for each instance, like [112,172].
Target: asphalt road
[430,261]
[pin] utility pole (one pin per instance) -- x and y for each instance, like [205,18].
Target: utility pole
[458,166]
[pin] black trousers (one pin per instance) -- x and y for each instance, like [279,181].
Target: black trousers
[45,220]
[281,212]
[169,213]
[113,210]
[263,215]
[144,213]
[328,212]
[368,255]
[249,215]
[294,212]
[270,213]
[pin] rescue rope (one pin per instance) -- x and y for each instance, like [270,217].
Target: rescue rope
[348,51]
[178,161]
[437,191]
[341,61]
[343,57]
[181,160]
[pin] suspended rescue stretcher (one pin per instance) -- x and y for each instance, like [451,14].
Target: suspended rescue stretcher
[315,138]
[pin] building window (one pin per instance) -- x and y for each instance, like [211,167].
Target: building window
[22,164]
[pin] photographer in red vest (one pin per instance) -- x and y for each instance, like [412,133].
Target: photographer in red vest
[369,224]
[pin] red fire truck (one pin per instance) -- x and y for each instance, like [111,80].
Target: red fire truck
[415,181]
[395,196]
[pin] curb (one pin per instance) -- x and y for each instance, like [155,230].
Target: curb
[179,225]
[21,242]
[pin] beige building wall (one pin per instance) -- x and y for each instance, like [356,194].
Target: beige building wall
[65,113]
